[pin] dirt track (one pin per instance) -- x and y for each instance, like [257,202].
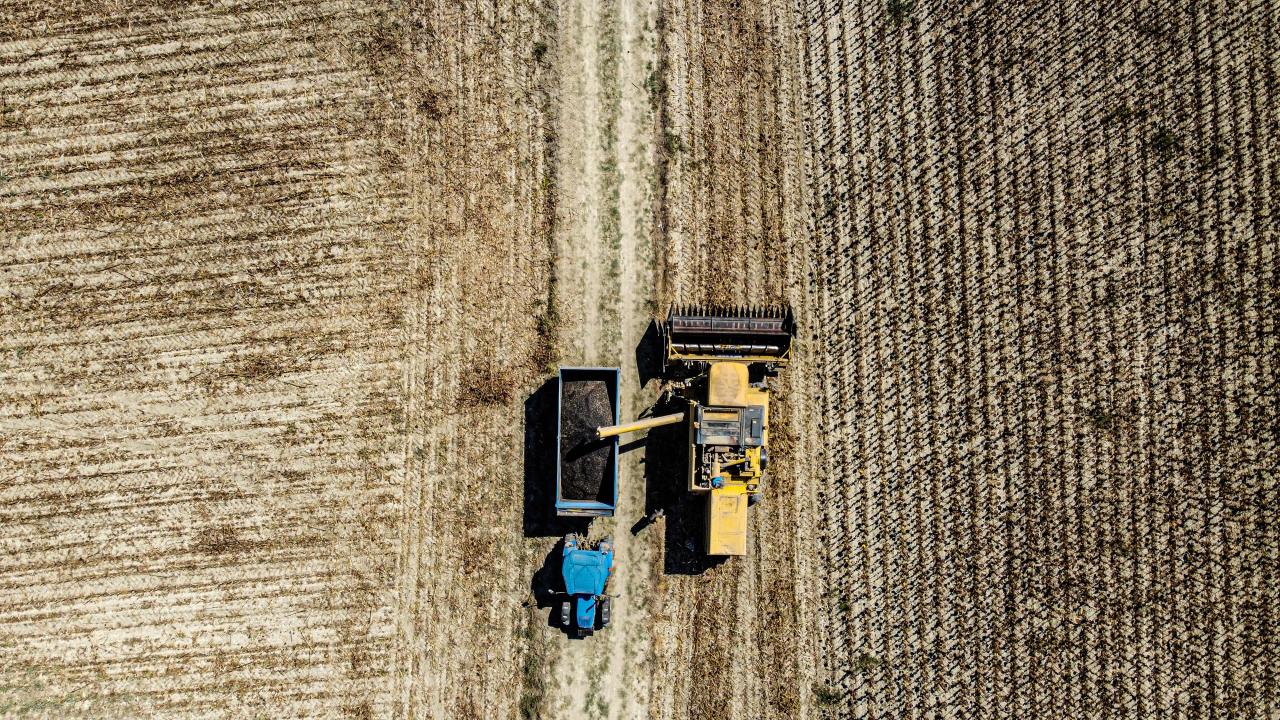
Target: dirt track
[603,289]
[280,291]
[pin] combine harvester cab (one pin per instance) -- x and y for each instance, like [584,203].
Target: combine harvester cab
[586,574]
[587,465]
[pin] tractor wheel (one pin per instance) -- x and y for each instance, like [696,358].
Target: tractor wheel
[566,613]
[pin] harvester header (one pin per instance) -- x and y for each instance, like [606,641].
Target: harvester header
[745,333]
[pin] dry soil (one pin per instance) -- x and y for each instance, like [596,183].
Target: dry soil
[282,286]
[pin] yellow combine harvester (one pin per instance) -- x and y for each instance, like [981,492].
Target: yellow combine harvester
[723,357]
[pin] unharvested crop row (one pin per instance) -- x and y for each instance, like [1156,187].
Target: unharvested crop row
[1046,295]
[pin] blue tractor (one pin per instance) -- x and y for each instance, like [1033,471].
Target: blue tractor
[586,572]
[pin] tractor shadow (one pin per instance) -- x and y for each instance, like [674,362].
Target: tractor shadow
[540,519]
[548,589]
[665,470]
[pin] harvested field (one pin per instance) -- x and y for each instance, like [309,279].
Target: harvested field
[201,338]
[242,325]
[281,289]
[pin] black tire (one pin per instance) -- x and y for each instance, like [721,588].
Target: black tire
[566,613]
[605,612]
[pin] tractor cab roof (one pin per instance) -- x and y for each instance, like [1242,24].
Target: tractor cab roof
[586,571]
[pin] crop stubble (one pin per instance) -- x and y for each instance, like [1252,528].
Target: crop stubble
[257,388]
[736,640]
[478,156]
[200,366]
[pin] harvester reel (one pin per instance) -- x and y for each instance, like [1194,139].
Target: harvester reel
[695,335]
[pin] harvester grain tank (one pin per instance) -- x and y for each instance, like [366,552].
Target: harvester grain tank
[725,357]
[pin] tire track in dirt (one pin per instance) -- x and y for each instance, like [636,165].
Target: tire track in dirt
[586,241]
[604,283]
[631,653]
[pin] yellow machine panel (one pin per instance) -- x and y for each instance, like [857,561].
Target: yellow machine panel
[727,384]
[761,398]
[727,521]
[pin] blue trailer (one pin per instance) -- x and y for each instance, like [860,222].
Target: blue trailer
[586,574]
[587,466]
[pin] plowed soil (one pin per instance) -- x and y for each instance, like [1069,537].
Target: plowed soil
[282,288]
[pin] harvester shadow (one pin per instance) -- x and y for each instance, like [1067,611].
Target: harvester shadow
[649,354]
[630,445]
[548,588]
[665,470]
[540,519]
[586,447]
